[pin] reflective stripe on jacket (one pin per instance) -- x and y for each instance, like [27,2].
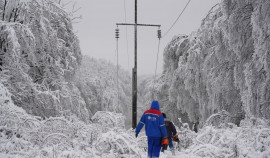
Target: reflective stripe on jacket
[153,121]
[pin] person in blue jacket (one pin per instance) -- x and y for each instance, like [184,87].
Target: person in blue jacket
[155,130]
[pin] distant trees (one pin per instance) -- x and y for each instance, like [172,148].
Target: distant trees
[97,83]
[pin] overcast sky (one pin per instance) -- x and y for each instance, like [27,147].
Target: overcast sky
[96,30]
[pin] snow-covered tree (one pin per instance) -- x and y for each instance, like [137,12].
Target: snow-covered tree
[224,65]
[39,56]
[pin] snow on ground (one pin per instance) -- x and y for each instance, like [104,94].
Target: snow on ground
[26,136]
[167,154]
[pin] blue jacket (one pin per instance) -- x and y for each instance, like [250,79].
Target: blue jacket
[153,121]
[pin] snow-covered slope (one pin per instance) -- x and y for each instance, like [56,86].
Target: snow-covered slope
[39,54]
[224,65]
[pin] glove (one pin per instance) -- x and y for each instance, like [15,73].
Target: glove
[175,138]
[165,143]
[165,146]
[136,135]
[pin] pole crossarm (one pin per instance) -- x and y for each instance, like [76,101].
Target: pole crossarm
[134,70]
[138,24]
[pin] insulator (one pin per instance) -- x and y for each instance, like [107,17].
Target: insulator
[117,33]
[159,33]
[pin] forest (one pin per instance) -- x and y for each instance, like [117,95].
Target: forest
[57,102]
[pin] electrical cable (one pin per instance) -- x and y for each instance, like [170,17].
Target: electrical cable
[125,10]
[176,19]
[159,43]
[157,58]
[117,76]
[117,67]
[155,70]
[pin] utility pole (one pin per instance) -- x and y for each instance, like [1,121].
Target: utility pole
[134,74]
[134,70]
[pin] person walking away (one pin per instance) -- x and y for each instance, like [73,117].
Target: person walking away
[195,125]
[171,132]
[155,130]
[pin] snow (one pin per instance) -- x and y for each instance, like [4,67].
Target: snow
[97,83]
[23,135]
[224,65]
[54,102]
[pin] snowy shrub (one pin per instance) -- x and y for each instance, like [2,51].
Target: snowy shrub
[231,141]
[5,96]
[23,135]
[220,119]
[109,119]
[142,141]
[119,142]
[186,137]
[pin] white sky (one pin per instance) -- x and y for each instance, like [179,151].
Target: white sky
[96,31]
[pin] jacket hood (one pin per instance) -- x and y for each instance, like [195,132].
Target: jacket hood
[155,105]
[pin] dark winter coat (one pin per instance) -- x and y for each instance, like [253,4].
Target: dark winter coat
[171,131]
[153,121]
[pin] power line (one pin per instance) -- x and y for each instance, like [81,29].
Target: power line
[156,68]
[159,37]
[125,10]
[134,69]
[164,36]
[117,84]
[157,58]
[176,19]
[117,79]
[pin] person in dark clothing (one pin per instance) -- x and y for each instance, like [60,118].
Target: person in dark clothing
[171,132]
[155,130]
[195,125]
